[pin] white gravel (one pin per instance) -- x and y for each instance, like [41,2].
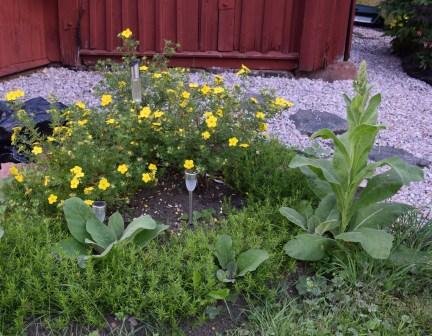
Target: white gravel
[406,109]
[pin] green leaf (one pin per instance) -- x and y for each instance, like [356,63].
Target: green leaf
[405,256]
[326,133]
[325,207]
[370,115]
[377,243]
[224,251]
[83,259]
[249,260]
[361,139]
[143,237]
[324,166]
[137,225]
[407,173]
[330,224]
[70,248]
[378,215]
[77,213]
[224,276]
[100,233]
[294,217]
[116,223]
[219,294]
[308,247]
[319,187]
[379,188]
[1,232]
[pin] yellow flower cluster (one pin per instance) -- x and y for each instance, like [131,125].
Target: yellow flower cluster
[244,70]
[211,120]
[283,103]
[14,95]
[106,99]
[14,171]
[77,174]
[126,34]
[151,175]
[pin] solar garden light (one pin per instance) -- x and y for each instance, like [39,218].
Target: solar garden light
[135,82]
[191,183]
[99,209]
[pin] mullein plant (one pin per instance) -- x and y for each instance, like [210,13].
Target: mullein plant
[346,212]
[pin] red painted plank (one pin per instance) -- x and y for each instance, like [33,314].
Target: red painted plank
[226,25]
[237,23]
[209,25]
[51,26]
[187,24]
[85,24]
[274,14]
[68,30]
[129,10]
[251,25]
[288,27]
[146,24]
[113,24]
[166,23]
[97,24]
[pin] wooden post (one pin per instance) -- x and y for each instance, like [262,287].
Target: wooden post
[69,31]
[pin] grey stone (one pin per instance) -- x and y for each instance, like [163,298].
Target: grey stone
[310,121]
[383,152]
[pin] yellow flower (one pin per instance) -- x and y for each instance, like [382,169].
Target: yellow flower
[126,34]
[110,121]
[14,95]
[205,89]
[14,171]
[50,139]
[158,114]
[122,169]
[74,182]
[193,85]
[205,135]
[89,202]
[103,184]
[147,177]
[232,142]
[143,68]
[77,171]
[152,167]
[220,112]
[211,121]
[262,127]
[157,124]
[188,164]
[37,150]
[145,112]
[184,103]
[82,122]
[88,190]
[19,178]
[244,145]
[52,199]
[122,84]
[80,104]
[46,181]
[281,102]
[185,95]
[218,90]
[106,99]
[244,70]
[260,115]
[157,75]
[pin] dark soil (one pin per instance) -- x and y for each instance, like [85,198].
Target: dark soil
[411,67]
[168,201]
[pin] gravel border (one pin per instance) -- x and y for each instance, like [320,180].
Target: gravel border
[406,110]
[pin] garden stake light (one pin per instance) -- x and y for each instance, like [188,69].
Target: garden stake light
[191,183]
[99,209]
[135,82]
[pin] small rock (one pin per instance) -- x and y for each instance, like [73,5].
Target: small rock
[310,121]
[383,152]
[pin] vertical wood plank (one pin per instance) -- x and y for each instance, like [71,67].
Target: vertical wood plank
[288,28]
[238,16]
[251,26]
[113,19]
[85,24]
[226,25]
[274,14]
[68,31]
[209,25]
[166,23]
[146,24]
[187,24]
[97,24]
[129,10]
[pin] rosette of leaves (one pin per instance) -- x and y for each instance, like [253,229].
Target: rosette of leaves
[233,267]
[88,231]
[346,212]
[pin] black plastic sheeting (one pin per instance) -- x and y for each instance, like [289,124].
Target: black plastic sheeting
[37,108]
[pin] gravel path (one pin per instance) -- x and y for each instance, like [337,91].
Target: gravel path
[406,110]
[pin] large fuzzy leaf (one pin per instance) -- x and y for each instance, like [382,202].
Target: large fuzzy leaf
[407,173]
[318,186]
[137,225]
[100,233]
[325,207]
[404,256]
[370,115]
[377,243]
[224,251]
[116,223]
[77,213]
[250,260]
[70,247]
[83,259]
[361,139]
[379,188]
[143,237]
[308,247]
[294,217]
[321,165]
[378,215]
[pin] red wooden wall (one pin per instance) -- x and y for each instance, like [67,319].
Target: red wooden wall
[28,34]
[264,34]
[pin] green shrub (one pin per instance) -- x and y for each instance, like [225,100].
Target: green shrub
[410,23]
